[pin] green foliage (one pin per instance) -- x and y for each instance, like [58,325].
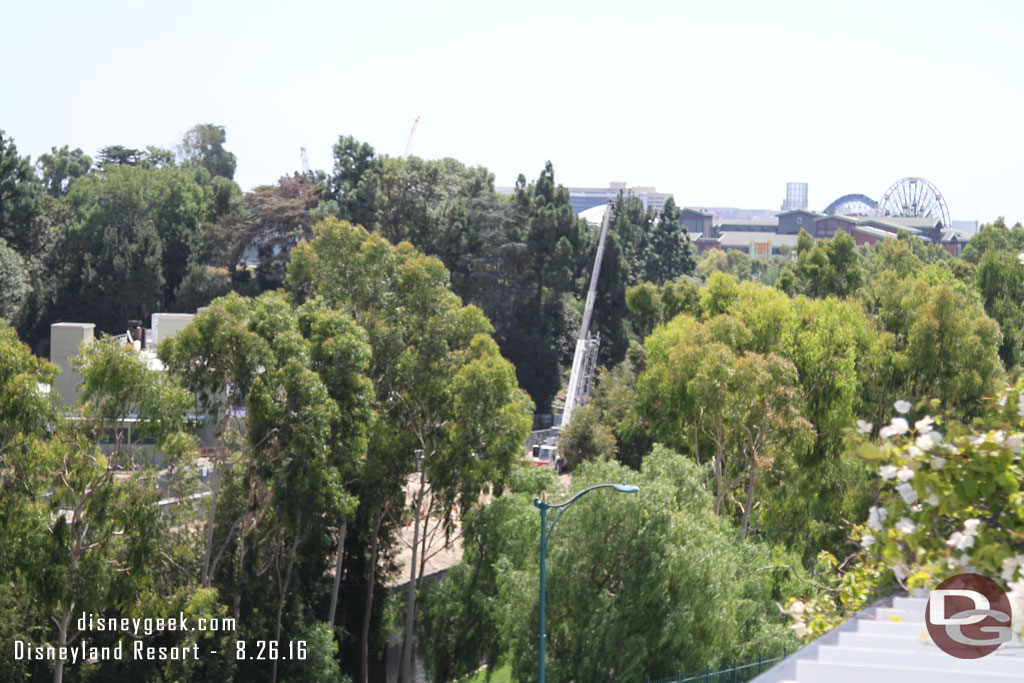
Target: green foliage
[201,285]
[1000,280]
[320,664]
[719,294]
[645,583]
[948,502]
[14,282]
[731,261]
[586,438]
[278,217]
[300,375]
[354,187]
[61,167]
[671,251]
[440,383]
[823,268]
[843,365]
[945,346]
[645,307]
[994,237]
[19,196]
[133,235]
[85,537]
[203,145]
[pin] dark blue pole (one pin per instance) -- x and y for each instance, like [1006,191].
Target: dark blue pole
[543,506]
[543,552]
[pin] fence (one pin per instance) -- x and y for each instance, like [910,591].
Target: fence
[737,673]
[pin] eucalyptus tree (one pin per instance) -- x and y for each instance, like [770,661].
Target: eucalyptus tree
[289,405]
[440,384]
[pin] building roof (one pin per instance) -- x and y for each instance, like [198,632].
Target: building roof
[948,235]
[701,212]
[874,232]
[706,239]
[741,223]
[803,211]
[594,215]
[838,217]
[912,224]
[889,643]
[743,238]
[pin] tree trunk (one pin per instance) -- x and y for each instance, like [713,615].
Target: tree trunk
[405,669]
[208,551]
[371,572]
[62,640]
[749,505]
[284,596]
[719,484]
[337,573]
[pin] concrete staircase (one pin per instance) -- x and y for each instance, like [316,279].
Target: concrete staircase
[890,644]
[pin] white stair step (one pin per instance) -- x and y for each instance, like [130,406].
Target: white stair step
[932,658]
[903,615]
[840,672]
[910,604]
[875,641]
[895,628]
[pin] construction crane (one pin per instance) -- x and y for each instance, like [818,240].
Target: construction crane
[305,160]
[584,361]
[412,135]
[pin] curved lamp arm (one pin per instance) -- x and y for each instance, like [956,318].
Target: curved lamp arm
[562,507]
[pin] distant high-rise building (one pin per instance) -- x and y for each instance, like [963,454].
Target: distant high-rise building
[796,197]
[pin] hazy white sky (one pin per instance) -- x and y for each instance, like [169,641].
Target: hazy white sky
[720,103]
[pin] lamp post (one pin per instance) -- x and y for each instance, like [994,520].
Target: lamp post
[545,531]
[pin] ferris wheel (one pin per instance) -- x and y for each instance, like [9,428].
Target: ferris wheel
[914,198]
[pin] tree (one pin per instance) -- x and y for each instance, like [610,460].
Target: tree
[133,236]
[844,366]
[203,145]
[279,217]
[671,251]
[546,254]
[19,196]
[827,267]
[996,236]
[281,505]
[14,282]
[644,584]
[62,167]
[354,186]
[118,155]
[1000,279]
[632,225]
[585,439]
[738,410]
[441,386]
[101,543]
[645,307]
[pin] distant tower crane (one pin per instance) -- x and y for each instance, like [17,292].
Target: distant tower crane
[305,160]
[412,135]
[584,362]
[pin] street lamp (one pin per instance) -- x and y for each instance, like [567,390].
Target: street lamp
[545,531]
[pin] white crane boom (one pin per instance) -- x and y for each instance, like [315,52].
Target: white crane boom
[584,361]
[412,135]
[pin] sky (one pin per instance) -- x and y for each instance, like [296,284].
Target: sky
[719,103]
